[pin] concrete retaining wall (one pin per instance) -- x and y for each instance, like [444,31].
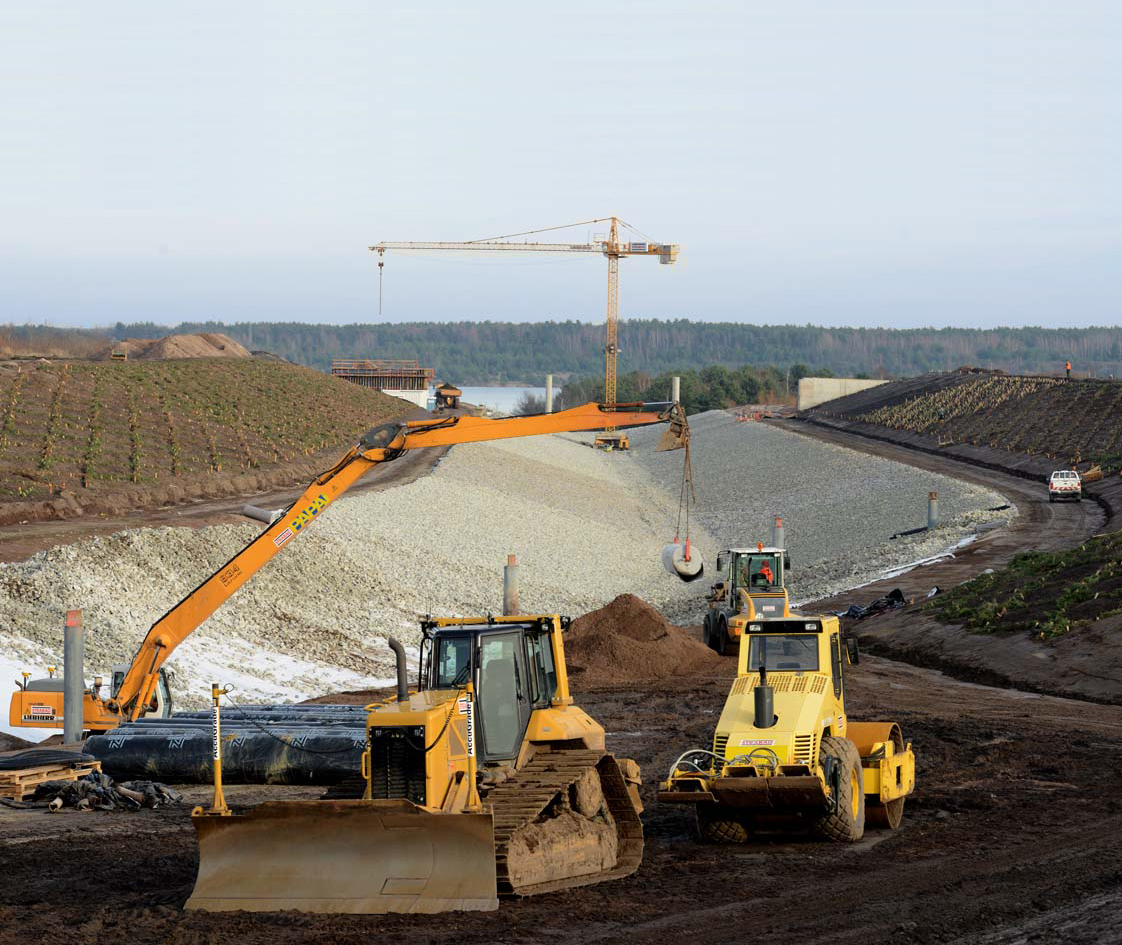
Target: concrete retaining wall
[817,390]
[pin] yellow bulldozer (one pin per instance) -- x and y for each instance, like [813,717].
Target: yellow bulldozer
[785,753]
[485,781]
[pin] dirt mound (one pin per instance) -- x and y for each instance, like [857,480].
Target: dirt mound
[628,641]
[208,345]
[13,742]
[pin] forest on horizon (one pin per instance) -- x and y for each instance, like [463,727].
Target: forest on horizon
[495,353]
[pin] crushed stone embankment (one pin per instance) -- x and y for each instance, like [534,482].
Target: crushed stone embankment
[585,527]
[840,507]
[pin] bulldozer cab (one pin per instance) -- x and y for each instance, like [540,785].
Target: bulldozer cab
[512,669]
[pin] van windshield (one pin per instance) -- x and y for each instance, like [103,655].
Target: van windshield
[783,653]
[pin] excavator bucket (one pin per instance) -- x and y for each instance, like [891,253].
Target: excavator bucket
[674,436]
[345,856]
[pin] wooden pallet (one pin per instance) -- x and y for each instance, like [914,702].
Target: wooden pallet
[16,785]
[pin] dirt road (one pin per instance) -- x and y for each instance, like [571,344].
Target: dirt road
[1011,835]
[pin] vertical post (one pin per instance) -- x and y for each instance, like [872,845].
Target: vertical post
[777,536]
[219,805]
[932,509]
[675,389]
[510,586]
[74,683]
[549,393]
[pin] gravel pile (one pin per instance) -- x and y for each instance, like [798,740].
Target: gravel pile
[839,506]
[585,525]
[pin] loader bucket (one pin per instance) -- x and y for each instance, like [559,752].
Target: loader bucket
[345,856]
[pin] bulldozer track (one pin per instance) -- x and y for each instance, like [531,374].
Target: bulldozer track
[521,800]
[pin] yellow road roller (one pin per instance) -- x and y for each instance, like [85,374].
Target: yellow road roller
[785,754]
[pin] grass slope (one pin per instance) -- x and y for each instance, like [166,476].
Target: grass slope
[83,426]
[1046,594]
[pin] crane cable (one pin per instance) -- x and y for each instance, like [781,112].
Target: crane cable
[685,498]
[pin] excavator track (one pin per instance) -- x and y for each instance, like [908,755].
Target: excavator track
[521,800]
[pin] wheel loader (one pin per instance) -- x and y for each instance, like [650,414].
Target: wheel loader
[785,753]
[485,781]
[752,586]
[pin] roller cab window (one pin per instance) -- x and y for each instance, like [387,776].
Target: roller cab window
[783,653]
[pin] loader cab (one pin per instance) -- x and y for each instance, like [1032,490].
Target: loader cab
[755,570]
[513,668]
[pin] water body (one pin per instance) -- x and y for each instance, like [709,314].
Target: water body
[502,399]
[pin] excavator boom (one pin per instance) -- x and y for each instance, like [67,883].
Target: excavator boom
[380,445]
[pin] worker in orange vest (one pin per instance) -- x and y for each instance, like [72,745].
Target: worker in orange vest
[1068,367]
[765,571]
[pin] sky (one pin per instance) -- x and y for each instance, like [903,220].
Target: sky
[895,163]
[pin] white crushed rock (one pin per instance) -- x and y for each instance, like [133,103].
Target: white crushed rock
[585,526]
[316,617]
[839,506]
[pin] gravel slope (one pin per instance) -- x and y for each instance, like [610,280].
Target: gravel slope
[585,526]
[839,506]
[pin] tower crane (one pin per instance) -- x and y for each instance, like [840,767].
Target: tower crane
[610,246]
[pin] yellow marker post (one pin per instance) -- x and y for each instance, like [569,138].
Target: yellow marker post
[218,807]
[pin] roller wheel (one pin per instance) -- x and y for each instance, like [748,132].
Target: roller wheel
[716,825]
[847,823]
[888,815]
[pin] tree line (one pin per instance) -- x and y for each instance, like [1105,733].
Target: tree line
[488,352]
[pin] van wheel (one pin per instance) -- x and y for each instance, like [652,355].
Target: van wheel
[846,824]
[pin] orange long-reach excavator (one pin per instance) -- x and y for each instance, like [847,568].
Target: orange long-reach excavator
[141,687]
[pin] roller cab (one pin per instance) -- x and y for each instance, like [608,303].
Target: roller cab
[483,781]
[784,752]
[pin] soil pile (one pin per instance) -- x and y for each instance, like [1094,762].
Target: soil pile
[208,345]
[628,641]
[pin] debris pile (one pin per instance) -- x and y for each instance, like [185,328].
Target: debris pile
[97,791]
[207,345]
[628,641]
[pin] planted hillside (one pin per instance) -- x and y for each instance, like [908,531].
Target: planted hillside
[1071,421]
[1045,594]
[74,428]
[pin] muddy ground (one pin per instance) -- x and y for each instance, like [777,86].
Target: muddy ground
[1010,837]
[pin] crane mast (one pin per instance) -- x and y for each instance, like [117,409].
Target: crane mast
[611,247]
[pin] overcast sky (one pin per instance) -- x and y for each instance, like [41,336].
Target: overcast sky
[949,162]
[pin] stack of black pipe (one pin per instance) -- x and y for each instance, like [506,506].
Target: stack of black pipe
[261,744]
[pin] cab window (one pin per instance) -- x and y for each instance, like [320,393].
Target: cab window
[783,653]
[453,663]
[543,674]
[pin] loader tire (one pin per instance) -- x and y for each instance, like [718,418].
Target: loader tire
[707,632]
[722,636]
[846,824]
[716,825]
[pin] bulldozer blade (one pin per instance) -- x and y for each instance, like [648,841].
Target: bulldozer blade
[345,856]
[783,793]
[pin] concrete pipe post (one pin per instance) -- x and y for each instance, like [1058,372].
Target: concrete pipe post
[510,586]
[675,389]
[778,539]
[932,509]
[549,393]
[74,682]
